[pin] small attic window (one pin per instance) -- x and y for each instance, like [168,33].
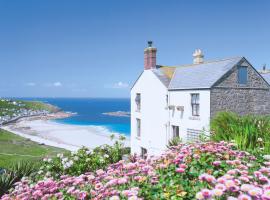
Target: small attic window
[242,75]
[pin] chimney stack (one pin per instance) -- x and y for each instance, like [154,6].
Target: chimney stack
[150,56]
[198,57]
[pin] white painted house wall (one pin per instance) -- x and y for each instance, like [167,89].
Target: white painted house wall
[157,119]
[184,119]
[153,114]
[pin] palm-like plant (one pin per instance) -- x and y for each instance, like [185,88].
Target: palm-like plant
[16,172]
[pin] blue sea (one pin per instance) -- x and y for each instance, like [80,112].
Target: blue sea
[89,112]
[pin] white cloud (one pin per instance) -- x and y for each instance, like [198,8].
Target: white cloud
[54,84]
[57,84]
[118,85]
[31,84]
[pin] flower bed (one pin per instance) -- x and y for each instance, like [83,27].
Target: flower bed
[189,171]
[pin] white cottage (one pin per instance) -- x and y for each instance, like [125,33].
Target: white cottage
[179,101]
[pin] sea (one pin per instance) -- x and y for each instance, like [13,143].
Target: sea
[90,112]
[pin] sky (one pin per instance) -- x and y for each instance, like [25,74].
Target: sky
[94,48]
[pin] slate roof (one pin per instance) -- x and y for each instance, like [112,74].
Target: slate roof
[195,76]
[266,77]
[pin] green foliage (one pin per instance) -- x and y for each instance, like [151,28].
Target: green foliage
[16,172]
[174,142]
[84,160]
[248,132]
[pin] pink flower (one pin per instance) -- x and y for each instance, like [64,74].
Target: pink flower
[180,170]
[221,187]
[255,192]
[217,192]
[122,181]
[266,195]
[206,193]
[246,187]
[216,163]
[98,186]
[244,197]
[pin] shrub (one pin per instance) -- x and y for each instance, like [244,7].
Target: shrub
[188,171]
[16,172]
[84,160]
[174,142]
[248,132]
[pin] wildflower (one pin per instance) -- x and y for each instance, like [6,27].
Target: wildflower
[255,192]
[217,192]
[266,157]
[266,195]
[180,170]
[220,187]
[82,195]
[98,186]
[216,163]
[229,183]
[246,187]
[206,193]
[244,197]
[199,196]
[115,198]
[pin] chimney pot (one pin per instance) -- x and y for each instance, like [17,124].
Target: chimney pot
[150,43]
[198,56]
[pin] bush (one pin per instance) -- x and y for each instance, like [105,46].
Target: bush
[174,142]
[188,171]
[16,172]
[248,132]
[84,160]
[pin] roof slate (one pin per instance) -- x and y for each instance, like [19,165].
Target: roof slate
[196,76]
[266,76]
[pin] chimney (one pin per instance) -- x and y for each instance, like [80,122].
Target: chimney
[150,56]
[198,57]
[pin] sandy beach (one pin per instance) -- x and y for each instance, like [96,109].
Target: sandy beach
[71,137]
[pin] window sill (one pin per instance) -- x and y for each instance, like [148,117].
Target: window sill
[195,118]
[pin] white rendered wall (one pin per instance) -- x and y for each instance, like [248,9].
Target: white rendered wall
[153,115]
[184,119]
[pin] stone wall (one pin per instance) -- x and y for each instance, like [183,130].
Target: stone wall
[252,98]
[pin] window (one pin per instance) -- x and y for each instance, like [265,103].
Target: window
[242,75]
[175,130]
[138,127]
[143,152]
[138,101]
[195,98]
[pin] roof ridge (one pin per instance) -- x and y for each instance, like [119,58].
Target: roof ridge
[206,62]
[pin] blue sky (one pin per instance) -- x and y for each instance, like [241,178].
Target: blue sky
[95,48]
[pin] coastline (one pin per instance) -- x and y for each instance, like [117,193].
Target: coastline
[43,130]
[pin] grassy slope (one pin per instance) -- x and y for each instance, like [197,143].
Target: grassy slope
[29,105]
[13,144]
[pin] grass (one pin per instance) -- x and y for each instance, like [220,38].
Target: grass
[14,148]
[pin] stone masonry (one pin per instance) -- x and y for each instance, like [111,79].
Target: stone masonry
[252,98]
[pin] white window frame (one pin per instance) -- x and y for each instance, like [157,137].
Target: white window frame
[138,102]
[195,104]
[138,127]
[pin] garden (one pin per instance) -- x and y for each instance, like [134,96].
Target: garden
[221,167]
